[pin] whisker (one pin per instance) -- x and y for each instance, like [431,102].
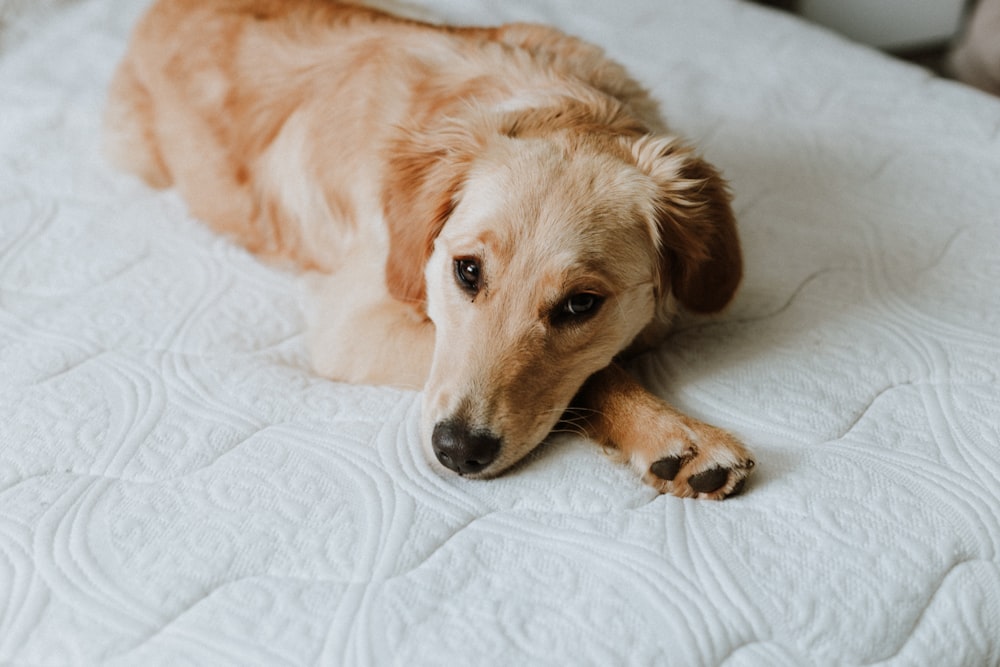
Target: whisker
[583,409]
[568,431]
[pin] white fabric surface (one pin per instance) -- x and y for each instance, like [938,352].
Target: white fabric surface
[176,487]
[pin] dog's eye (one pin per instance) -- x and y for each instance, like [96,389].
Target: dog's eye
[581,303]
[577,307]
[468,275]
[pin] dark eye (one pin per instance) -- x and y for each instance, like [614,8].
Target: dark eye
[578,304]
[578,307]
[467,274]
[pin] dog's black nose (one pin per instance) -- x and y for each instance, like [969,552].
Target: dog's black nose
[463,450]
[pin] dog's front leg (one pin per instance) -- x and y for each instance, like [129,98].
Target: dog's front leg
[672,452]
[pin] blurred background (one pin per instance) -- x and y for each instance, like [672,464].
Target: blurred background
[954,38]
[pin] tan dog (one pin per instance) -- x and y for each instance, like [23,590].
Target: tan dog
[492,214]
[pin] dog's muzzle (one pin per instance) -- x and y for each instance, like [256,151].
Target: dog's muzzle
[462,449]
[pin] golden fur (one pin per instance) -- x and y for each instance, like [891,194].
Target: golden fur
[492,214]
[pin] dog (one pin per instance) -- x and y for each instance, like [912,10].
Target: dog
[496,215]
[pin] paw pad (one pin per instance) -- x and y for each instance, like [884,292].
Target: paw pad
[710,480]
[667,468]
[710,464]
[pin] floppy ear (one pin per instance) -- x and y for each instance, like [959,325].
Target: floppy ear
[425,173]
[700,258]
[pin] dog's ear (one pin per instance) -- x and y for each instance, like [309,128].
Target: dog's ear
[425,172]
[700,258]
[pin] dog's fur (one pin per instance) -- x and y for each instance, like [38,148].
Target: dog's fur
[386,155]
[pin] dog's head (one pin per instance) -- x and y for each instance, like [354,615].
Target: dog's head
[539,258]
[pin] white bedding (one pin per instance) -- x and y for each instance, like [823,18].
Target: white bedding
[176,487]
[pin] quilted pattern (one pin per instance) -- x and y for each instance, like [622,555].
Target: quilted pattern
[176,486]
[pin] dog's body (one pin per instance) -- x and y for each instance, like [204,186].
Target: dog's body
[492,214]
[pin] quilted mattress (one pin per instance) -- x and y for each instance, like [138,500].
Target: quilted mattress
[176,486]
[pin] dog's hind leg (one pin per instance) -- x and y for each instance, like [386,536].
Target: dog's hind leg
[129,136]
[672,452]
[358,333]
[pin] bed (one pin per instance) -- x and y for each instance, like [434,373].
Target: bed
[176,486]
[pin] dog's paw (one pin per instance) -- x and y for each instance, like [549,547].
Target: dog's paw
[695,460]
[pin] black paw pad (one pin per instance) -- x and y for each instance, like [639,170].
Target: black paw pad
[666,468]
[711,480]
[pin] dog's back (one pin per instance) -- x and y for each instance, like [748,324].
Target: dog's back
[274,118]
[228,101]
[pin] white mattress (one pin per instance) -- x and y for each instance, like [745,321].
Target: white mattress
[176,487]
